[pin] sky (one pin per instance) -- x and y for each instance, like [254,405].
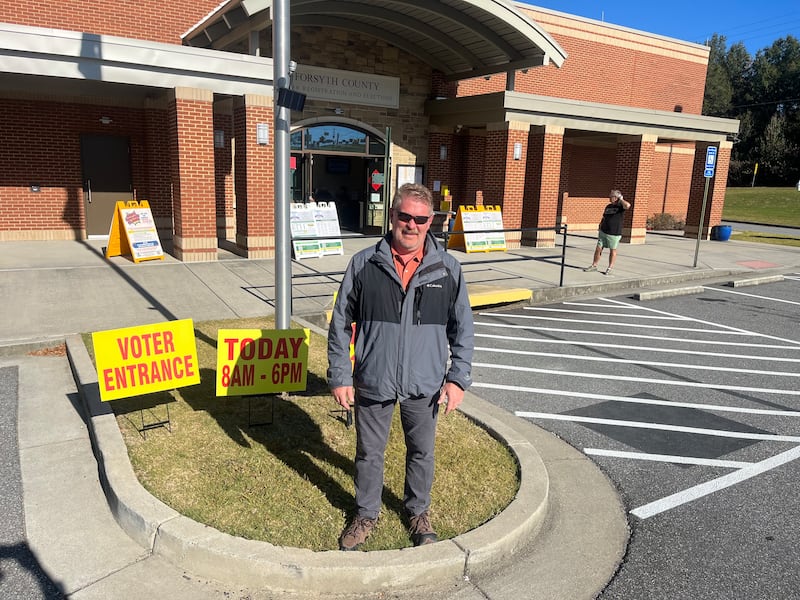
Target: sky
[756,23]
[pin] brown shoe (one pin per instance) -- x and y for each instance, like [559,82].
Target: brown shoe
[356,533]
[421,530]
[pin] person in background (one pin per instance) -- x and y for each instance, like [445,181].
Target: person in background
[408,300]
[610,230]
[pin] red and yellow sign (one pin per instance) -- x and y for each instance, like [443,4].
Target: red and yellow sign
[133,231]
[145,359]
[261,361]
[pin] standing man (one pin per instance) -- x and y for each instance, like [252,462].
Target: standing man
[610,230]
[408,300]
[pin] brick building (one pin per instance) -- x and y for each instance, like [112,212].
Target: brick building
[503,104]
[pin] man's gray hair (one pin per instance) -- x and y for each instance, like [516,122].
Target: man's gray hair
[617,194]
[417,191]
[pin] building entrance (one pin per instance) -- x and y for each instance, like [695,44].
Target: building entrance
[344,165]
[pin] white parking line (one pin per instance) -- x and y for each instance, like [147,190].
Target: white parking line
[618,334]
[597,305]
[606,377]
[540,341]
[739,435]
[753,296]
[715,485]
[630,361]
[605,313]
[668,458]
[634,400]
[720,325]
[718,331]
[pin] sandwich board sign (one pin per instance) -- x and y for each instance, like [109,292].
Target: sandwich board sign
[133,231]
[477,223]
[311,221]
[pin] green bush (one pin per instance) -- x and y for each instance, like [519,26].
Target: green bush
[664,221]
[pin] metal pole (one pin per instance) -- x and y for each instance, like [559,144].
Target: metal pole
[702,220]
[281,50]
[387,171]
[563,255]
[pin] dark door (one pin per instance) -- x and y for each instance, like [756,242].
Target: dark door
[106,164]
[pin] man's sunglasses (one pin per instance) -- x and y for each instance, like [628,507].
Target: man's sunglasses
[405,218]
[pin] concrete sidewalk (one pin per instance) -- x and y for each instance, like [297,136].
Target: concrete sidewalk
[98,534]
[56,288]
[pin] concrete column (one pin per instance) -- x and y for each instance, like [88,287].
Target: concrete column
[716,190]
[192,170]
[543,183]
[634,176]
[254,177]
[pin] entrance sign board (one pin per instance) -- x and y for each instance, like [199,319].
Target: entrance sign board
[474,221]
[145,359]
[348,87]
[315,220]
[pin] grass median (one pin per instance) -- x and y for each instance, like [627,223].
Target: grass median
[290,482]
[765,206]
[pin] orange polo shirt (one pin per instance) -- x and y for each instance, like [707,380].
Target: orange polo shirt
[406,267]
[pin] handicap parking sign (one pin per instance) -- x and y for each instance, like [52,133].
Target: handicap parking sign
[711,161]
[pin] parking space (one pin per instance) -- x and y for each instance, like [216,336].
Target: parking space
[690,404]
[684,381]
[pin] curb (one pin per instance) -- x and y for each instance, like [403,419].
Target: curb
[596,289]
[207,552]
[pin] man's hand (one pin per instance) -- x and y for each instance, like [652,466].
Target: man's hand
[452,395]
[344,396]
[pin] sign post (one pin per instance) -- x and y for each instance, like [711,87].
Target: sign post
[708,173]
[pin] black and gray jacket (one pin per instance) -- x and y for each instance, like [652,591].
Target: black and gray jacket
[403,338]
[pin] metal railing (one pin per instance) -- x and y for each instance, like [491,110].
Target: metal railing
[445,236]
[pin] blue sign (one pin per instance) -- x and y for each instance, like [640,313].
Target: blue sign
[711,161]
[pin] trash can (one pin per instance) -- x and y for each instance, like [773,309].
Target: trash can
[721,233]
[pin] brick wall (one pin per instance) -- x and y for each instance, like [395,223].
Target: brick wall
[255,177]
[223,174]
[192,169]
[716,190]
[151,20]
[672,178]
[589,175]
[609,65]
[41,145]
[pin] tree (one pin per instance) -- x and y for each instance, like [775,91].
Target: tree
[776,151]
[719,89]
[763,93]
[776,85]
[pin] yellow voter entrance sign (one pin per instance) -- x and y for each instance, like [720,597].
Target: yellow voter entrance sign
[145,359]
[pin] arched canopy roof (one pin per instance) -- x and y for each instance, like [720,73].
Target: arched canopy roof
[460,38]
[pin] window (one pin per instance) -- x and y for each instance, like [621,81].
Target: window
[336,138]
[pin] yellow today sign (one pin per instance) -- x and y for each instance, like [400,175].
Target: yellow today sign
[145,359]
[261,361]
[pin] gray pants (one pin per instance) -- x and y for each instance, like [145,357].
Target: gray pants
[373,421]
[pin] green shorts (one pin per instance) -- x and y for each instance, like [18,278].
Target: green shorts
[608,241]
